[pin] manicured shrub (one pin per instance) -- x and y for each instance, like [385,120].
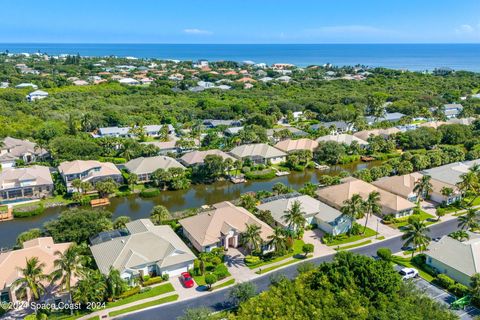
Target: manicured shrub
[149,193]
[221,271]
[165,276]
[152,280]
[146,277]
[252,259]
[130,292]
[459,290]
[385,254]
[29,211]
[444,281]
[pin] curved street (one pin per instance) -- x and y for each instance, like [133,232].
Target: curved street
[217,299]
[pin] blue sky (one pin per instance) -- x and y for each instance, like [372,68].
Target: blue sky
[240,21]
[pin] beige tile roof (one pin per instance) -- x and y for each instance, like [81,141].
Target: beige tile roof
[42,248]
[79,166]
[336,195]
[300,144]
[18,147]
[404,185]
[257,150]
[342,138]
[31,176]
[149,165]
[146,244]
[197,157]
[365,134]
[207,228]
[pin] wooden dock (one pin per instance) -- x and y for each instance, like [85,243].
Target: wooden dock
[6,215]
[99,202]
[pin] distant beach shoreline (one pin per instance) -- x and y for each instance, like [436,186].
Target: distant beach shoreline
[414,57]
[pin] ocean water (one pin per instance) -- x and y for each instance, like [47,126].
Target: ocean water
[416,57]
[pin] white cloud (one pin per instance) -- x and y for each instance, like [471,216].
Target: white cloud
[465,28]
[196,31]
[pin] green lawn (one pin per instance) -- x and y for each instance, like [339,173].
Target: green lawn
[406,262]
[155,291]
[342,239]
[225,284]
[297,250]
[402,222]
[262,271]
[354,245]
[171,298]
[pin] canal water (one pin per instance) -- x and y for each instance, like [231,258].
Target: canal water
[197,195]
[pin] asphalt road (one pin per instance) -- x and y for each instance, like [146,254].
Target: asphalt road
[217,299]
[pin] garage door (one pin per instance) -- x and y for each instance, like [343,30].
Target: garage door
[175,270]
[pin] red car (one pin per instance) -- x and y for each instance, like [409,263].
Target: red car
[187,280]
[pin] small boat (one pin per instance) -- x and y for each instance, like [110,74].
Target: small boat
[367,158]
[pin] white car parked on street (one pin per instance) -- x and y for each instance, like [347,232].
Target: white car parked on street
[408,273]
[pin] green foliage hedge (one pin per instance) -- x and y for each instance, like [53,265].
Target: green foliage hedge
[149,193]
[30,211]
[151,281]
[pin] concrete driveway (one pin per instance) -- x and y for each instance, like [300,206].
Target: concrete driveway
[375,223]
[315,237]
[234,259]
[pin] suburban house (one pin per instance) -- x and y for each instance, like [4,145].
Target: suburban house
[450,173]
[342,139]
[385,133]
[44,250]
[390,117]
[290,145]
[144,167]
[335,127]
[88,170]
[37,95]
[259,153]
[13,149]
[404,185]
[294,132]
[26,85]
[325,217]
[150,130]
[25,183]
[164,147]
[336,195]
[458,260]
[452,110]
[216,123]
[222,226]
[197,157]
[146,250]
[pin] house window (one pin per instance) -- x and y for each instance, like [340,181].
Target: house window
[4,297]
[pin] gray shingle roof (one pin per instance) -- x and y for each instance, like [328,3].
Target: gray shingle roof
[146,244]
[149,165]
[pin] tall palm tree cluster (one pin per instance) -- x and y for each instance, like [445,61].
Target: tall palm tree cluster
[356,207]
[70,265]
[469,183]
[281,239]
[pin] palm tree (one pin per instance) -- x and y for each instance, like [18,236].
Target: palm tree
[294,217]
[77,184]
[353,207]
[470,183]
[67,265]
[416,234]
[159,214]
[251,237]
[115,284]
[371,206]
[475,287]
[423,187]
[90,288]
[278,240]
[32,278]
[238,164]
[469,220]
[132,180]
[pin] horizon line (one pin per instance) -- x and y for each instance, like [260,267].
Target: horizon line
[322,43]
